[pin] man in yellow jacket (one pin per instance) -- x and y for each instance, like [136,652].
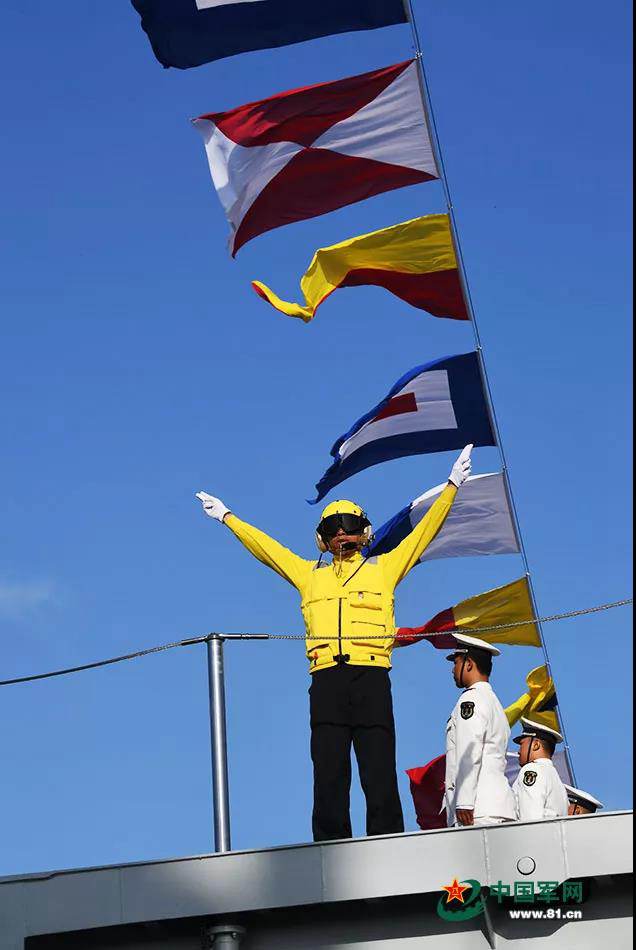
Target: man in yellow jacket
[347,607]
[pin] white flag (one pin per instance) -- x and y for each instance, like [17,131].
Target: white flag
[480,522]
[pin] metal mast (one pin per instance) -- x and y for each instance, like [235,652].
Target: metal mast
[430,115]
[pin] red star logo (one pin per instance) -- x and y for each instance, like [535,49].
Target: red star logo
[455,891]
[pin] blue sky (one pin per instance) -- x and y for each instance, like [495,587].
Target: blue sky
[137,366]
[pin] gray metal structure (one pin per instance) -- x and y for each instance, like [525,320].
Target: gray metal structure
[365,894]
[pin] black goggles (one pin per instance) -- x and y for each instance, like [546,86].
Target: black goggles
[350,524]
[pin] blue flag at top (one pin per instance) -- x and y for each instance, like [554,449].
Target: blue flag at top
[433,408]
[186,33]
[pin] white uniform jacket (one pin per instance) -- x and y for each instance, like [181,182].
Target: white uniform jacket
[539,792]
[477,736]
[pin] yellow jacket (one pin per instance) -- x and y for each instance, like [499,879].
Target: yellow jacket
[347,606]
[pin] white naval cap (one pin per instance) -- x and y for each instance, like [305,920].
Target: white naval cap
[537,730]
[466,643]
[577,796]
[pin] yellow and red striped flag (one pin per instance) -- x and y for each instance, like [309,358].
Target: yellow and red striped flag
[509,604]
[415,261]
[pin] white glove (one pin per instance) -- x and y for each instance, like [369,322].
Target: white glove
[462,468]
[213,507]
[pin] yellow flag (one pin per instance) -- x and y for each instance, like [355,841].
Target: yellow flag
[414,260]
[508,604]
[539,703]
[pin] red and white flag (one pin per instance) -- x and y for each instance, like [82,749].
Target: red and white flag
[305,152]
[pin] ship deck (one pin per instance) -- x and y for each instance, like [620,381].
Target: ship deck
[364,894]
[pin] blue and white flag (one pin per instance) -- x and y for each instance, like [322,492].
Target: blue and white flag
[479,522]
[433,408]
[186,33]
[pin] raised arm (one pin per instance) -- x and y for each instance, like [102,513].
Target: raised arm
[290,566]
[406,555]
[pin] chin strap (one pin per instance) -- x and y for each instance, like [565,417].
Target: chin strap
[461,675]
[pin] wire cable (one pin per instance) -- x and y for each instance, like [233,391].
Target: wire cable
[295,636]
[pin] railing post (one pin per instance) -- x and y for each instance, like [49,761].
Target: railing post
[218,735]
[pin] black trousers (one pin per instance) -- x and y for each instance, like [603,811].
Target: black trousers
[352,705]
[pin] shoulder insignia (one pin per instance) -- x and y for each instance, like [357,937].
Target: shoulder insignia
[467,710]
[529,778]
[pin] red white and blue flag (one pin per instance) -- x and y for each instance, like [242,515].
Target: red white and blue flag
[186,33]
[435,407]
[479,522]
[312,150]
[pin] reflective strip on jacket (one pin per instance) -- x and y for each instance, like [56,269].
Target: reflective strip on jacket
[347,605]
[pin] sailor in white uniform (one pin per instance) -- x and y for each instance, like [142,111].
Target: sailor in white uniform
[538,789]
[477,735]
[581,803]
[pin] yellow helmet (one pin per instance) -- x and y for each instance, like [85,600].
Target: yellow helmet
[342,514]
[342,507]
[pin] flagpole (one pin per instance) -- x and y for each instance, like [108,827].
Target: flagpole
[439,158]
